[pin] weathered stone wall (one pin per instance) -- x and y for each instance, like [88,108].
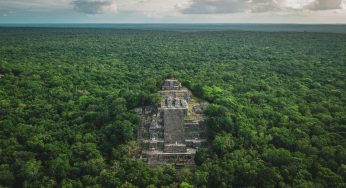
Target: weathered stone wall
[173,119]
[171,84]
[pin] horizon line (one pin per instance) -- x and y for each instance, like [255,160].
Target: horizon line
[190,23]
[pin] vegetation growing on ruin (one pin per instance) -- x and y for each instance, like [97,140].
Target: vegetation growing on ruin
[277,117]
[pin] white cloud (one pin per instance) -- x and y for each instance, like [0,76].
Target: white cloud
[215,6]
[257,6]
[325,5]
[152,8]
[35,4]
[95,6]
[288,11]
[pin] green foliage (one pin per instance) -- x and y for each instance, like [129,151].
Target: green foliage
[223,143]
[201,156]
[277,117]
[6,175]
[185,185]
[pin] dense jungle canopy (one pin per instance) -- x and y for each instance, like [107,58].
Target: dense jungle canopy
[277,115]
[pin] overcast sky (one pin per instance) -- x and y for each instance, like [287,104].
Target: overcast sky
[173,11]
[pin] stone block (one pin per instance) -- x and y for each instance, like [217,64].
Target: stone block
[174,125]
[175,148]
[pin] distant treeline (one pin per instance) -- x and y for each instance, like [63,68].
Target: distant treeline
[192,27]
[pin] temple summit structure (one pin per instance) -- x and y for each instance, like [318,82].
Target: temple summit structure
[172,132]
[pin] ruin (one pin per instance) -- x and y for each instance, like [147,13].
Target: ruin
[172,132]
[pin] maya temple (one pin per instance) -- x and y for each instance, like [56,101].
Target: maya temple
[172,132]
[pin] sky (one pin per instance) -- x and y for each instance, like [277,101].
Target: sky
[173,11]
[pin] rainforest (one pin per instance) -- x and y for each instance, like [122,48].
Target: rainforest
[277,113]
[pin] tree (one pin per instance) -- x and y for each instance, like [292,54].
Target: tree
[30,169]
[60,167]
[6,176]
[201,156]
[223,143]
[278,157]
[185,185]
